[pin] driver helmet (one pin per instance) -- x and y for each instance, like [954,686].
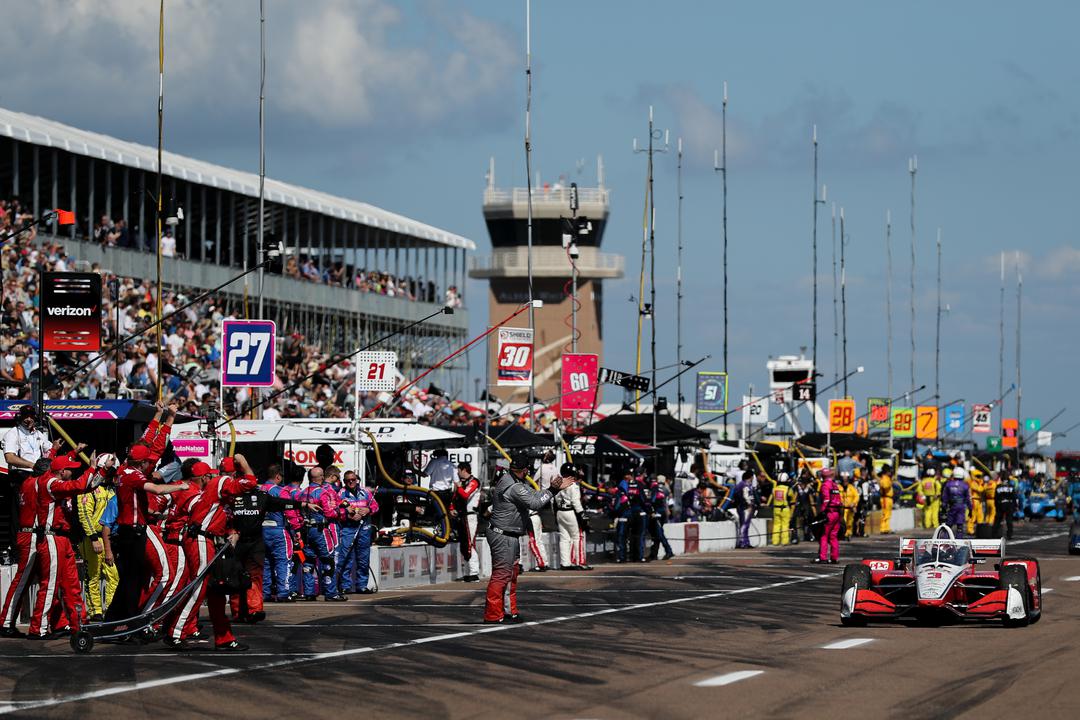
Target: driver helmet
[959,473]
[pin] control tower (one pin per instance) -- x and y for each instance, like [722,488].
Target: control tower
[506,269]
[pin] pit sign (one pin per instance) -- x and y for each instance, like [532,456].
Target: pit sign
[376,371]
[980,419]
[248,354]
[903,422]
[926,422]
[514,361]
[842,416]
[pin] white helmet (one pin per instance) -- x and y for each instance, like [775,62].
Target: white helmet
[783,478]
[931,472]
[959,473]
[106,460]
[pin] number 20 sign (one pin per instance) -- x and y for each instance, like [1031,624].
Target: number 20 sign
[248,355]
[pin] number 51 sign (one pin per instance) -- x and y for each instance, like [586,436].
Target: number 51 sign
[247,353]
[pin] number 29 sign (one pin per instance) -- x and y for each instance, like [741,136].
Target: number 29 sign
[514,361]
[247,353]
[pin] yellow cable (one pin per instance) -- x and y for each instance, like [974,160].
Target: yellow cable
[67,438]
[439,540]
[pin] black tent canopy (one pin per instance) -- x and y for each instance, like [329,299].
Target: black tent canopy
[639,428]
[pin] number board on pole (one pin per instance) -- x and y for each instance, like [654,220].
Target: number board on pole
[755,411]
[926,422]
[514,362]
[1010,428]
[248,353]
[878,408]
[376,371]
[903,422]
[842,416]
[711,396]
[579,372]
[980,419]
[954,418]
[70,312]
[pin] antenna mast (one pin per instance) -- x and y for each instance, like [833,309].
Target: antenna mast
[913,167]
[528,184]
[678,286]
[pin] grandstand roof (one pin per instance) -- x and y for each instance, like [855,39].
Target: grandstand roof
[49,133]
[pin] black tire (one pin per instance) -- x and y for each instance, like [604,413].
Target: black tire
[857,576]
[1015,576]
[82,642]
[1033,614]
[1073,532]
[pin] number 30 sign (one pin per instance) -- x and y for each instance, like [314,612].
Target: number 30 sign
[514,362]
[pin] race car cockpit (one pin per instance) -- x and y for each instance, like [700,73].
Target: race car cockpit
[935,551]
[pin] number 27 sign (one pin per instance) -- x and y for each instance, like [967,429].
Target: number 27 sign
[247,353]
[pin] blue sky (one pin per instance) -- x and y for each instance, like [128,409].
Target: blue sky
[401,104]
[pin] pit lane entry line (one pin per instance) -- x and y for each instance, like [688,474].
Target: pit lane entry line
[19,706]
[847,644]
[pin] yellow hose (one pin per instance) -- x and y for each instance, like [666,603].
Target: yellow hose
[439,540]
[502,451]
[67,438]
[570,458]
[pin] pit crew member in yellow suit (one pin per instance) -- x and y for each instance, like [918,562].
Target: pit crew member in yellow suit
[849,493]
[975,484]
[930,489]
[990,484]
[90,507]
[885,483]
[783,501]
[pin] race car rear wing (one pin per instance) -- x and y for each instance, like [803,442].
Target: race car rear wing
[979,548]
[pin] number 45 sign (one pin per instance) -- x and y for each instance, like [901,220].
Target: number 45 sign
[247,353]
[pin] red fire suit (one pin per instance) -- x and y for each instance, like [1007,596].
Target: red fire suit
[26,549]
[56,554]
[208,520]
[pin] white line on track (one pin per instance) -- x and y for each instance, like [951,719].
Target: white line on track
[260,667]
[847,644]
[728,678]
[1072,578]
[1046,590]
[1037,538]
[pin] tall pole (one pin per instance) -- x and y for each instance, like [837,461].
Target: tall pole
[262,168]
[650,222]
[813,243]
[937,331]
[723,161]
[528,186]
[835,311]
[888,300]
[160,128]
[1001,345]
[913,167]
[843,297]
[678,284]
[1019,387]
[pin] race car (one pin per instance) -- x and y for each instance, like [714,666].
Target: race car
[1074,539]
[938,580]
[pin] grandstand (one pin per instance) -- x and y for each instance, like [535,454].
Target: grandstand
[353,272]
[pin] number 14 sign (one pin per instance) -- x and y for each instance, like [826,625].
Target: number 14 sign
[247,353]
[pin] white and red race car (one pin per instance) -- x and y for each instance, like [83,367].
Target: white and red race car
[938,579]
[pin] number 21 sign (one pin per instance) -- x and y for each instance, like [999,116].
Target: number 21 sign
[376,371]
[514,361]
[247,353]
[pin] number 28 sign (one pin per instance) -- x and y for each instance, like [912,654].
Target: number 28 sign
[514,361]
[247,353]
[841,416]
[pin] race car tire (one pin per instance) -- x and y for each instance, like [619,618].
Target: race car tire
[1015,576]
[1073,532]
[855,576]
[1033,614]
